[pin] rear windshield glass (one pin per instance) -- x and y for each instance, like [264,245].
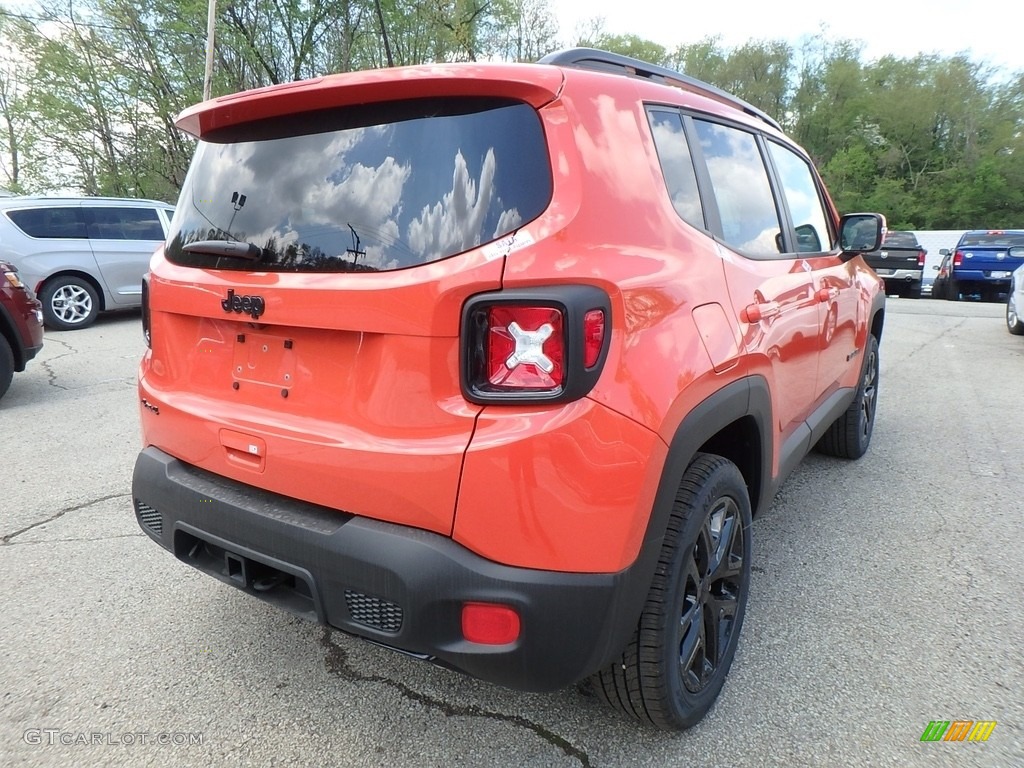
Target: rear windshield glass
[374,188]
[901,240]
[994,239]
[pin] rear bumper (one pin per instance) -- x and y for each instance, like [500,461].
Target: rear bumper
[984,276]
[394,585]
[901,275]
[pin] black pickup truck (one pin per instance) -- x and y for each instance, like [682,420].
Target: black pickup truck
[900,263]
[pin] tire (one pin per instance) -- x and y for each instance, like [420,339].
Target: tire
[850,435]
[1013,321]
[6,365]
[952,290]
[669,675]
[69,303]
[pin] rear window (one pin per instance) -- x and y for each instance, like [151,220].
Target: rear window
[994,239]
[901,240]
[373,188]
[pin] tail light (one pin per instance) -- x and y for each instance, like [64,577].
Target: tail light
[920,258]
[958,258]
[145,312]
[534,345]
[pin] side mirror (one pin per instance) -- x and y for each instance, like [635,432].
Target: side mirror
[861,232]
[943,251]
[935,267]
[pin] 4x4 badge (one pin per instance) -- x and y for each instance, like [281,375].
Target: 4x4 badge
[251,305]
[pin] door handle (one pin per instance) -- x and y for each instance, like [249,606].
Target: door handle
[755,313]
[827,294]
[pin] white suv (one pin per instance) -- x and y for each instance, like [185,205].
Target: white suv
[82,255]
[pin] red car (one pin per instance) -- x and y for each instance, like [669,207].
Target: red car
[492,363]
[21,325]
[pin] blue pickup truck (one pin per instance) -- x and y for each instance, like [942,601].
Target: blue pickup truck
[980,265]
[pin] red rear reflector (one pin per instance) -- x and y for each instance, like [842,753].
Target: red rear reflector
[958,258]
[525,347]
[489,623]
[593,337]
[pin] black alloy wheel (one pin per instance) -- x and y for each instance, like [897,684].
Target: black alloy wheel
[671,672]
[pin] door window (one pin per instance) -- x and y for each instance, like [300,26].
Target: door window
[750,221]
[124,223]
[805,206]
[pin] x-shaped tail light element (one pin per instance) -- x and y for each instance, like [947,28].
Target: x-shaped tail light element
[530,347]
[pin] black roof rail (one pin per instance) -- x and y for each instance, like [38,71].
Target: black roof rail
[604,61]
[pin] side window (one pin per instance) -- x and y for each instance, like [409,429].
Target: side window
[50,223]
[676,165]
[750,221]
[805,206]
[124,224]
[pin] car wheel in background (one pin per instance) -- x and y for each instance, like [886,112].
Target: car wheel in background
[1013,321]
[6,365]
[69,303]
[674,667]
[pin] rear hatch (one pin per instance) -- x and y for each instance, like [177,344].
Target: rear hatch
[304,314]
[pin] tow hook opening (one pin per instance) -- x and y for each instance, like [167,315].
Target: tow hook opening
[274,584]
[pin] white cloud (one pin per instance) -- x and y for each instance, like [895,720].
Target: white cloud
[455,223]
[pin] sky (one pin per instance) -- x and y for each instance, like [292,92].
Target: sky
[988,31]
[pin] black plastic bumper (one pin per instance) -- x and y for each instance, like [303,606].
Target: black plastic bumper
[394,585]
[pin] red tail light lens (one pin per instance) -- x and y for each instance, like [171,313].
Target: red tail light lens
[525,348]
[958,258]
[920,258]
[593,337]
[146,318]
[534,345]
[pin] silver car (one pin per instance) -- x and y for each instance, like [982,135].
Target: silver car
[82,255]
[1015,298]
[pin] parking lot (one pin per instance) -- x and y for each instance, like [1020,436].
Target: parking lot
[887,593]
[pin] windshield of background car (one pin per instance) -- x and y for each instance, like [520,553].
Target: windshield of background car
[992,239]
[369,188]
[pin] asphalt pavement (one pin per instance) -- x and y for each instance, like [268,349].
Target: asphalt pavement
[887,593]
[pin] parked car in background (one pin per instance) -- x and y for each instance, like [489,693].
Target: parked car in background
[21,325]
[82,255]
[1015,297]
[940,285]
[900,263]
[981,264]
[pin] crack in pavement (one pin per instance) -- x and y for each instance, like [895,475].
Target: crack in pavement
[140,534]
[7,537]
[933,339]
[337,663]
[45,364]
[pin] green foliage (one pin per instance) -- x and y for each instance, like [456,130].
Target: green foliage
[90,100]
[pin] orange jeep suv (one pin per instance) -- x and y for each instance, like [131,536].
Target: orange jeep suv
[492,363]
